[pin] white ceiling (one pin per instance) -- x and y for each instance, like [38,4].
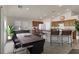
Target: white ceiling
[38,11]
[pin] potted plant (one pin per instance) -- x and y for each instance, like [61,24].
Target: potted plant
[77,27]
[10,31]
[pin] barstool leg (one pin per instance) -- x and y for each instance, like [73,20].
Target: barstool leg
[68,40]
[50,40]
[58,40]
[71,41]
[62,41]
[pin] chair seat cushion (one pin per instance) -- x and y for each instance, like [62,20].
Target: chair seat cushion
[18,45]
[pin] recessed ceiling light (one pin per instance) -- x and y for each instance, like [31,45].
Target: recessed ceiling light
[40,17]
[67,9]
[60,5]
[27,8]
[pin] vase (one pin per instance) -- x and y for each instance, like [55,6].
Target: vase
[9,37]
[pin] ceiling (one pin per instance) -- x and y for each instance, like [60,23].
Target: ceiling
[39,11]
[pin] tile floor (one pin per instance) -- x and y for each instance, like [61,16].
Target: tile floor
[59,49]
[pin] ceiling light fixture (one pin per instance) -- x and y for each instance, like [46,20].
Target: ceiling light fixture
[40,17]
[60,5]
[67,9]
[1,6]
[20,6]
[27,8]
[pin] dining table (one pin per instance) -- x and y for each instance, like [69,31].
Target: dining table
[34,43]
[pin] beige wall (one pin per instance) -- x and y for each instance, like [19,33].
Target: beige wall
[12,20]
[0,30]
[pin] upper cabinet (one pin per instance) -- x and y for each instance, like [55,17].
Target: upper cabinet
[35,26]
[36,23]
[65,22]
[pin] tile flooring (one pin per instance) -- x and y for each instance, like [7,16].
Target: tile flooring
[59,49]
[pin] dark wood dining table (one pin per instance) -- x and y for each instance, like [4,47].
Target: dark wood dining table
[29,40]
[36,42]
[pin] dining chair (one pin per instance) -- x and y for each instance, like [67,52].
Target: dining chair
[37,48]
[17,45]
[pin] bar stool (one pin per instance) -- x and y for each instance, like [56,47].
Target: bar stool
[66,33]
[54,33]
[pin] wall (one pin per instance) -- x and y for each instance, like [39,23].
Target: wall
[14,20]
[3,33]
[47,23]
[0,29]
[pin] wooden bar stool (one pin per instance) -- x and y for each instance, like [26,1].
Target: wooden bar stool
[54,33]
[66,33]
